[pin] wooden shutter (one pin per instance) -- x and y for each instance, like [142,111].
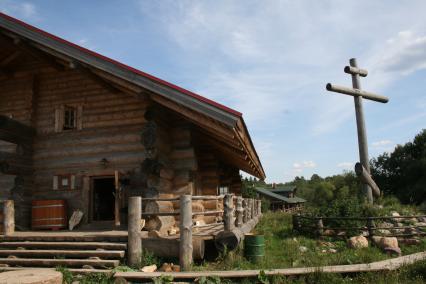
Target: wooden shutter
[55,182]
[80,117]
[59,118]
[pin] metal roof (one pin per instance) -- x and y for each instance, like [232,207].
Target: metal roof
[267,192]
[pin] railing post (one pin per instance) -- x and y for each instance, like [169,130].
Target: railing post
[259,207]
[252,208]
[370,227]
[239,212]
[134,240]
[185,243]
[245,208]
[228,205]
[320,227]
[9,217]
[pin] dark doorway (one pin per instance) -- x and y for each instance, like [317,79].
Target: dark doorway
[103,199]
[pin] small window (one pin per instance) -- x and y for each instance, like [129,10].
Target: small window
[223,190]
[70,118]
[64,182]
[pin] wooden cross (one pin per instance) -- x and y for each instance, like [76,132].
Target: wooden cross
[358,95]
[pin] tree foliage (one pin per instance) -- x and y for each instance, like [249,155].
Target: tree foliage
[403,172]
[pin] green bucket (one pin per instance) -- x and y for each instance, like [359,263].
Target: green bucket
[254,247]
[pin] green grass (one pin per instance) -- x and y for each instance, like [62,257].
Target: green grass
[282,249]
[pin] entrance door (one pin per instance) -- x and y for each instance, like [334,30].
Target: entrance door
[103,199]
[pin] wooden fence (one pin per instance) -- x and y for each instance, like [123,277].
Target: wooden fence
[237,212]
[370,226]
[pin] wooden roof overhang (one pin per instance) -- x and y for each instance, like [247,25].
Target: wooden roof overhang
[224,127]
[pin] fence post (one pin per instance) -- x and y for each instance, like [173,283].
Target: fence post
[245,207]
[9,217]
[185,243]
[320,227]
[134,240]
[259,207]
[228,206]
[370,226]
[239,212]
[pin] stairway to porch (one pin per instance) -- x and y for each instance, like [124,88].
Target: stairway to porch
[78,250]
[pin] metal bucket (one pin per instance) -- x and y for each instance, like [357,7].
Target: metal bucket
[254,247]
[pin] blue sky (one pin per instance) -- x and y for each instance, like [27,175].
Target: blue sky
[270,60]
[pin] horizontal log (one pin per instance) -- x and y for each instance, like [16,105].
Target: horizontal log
[356,92]
[362,173]
[64,253]
[384,265]
[56,262]
[64,245]
[231,239]
[17,127]
[355,71]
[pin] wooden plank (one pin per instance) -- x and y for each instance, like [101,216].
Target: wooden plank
[390,264]
[55,262]
[65,245]
[63,253]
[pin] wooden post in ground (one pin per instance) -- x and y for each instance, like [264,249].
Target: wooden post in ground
[228,213]
[370,226]
[9,217]
[259,207]
[185,242]
[239,212]
[245,208]
[320,227]
[134,240]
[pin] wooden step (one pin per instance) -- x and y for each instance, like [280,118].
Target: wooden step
[65,245]
[42,262]
[106,254]
[63,238]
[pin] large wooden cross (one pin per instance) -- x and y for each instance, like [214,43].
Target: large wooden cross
[358,95]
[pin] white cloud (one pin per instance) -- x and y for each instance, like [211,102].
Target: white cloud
[304,165]
[25,10]
[345,165]
[381,143]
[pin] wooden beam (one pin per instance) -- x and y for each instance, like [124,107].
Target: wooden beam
[8,59]
[16,127]
[356,93]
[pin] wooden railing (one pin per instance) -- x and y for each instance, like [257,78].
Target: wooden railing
[321,226]
[246,210]
[7,219]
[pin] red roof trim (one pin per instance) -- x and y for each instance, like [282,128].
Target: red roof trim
[131,69]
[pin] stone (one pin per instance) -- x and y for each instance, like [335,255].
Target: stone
[421,219]
[421,224]
[31,276]
[166,267]
[175,268]
[357,242]
[386,225]
[395,214]
[332,250]
[410,231]
[75,219]
[149,268]
[325,244]
[329,232]
[341,234]
[172,231]
[389,242]
[303,249]
[410,241]
[384,232]
[393,251]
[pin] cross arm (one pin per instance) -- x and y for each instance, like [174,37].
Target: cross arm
[354,71]
[356,92]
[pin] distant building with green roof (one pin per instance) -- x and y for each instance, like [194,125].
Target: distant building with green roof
[282,198]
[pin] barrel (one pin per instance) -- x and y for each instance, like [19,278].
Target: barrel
[49,214]
[254,247]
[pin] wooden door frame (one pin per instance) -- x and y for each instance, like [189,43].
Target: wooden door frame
[91,195]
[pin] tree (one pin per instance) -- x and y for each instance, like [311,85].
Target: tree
[403,172]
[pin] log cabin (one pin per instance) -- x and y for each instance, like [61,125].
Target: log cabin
[83,128]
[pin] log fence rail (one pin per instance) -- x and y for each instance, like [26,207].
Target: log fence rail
[321,227]
[240,215]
